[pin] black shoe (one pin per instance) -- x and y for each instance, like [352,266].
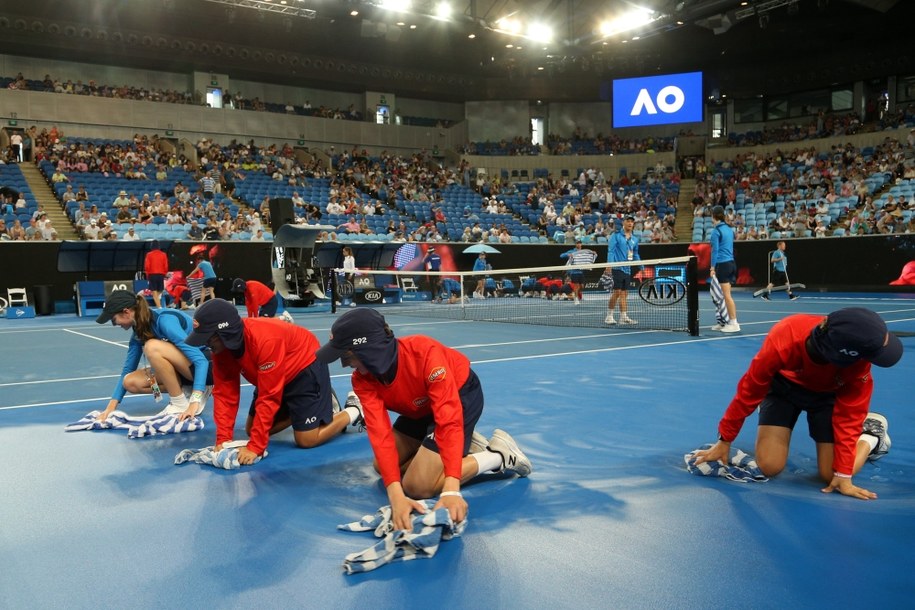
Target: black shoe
[765,297]
[793,297]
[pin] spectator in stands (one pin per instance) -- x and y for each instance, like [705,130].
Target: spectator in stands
[258,235]
[195,232]
[291,387]
[130,235]
[121,201]
[159,335]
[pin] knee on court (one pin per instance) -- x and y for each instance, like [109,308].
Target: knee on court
[770,466]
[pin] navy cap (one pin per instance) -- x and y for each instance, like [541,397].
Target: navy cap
[239,285]
[856,333]
[117,301]
[356,329]
[217,317]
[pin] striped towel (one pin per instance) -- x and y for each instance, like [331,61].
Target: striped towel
[226,458]
[137,427]
[421,541]
[721,309]
[742,468]
[195,285]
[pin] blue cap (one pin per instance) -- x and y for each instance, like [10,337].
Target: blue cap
[856,333]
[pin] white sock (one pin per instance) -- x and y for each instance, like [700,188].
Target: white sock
[353,413]
[179,401]
[487,460]
[870,440]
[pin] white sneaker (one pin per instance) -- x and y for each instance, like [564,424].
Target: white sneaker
[717,327]
[512,457]
[478,443]
[577,301]
[287,316]
[353,401]
[628,320]
[731,327]
[876,425]
[609,319]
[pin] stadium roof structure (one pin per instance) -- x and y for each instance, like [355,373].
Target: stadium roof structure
[745,47]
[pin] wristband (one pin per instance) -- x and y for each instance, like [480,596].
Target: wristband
[450,493]
[841,476]
[196,396]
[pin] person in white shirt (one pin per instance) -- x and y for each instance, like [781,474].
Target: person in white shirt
[131,235]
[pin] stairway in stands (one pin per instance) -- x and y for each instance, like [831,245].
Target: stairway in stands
[684,226]
[45,196]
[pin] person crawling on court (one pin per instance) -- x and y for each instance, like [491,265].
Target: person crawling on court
[821,366]
[291,387]
[160,336]
[432,448]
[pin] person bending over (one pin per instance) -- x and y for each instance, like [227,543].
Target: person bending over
[821,366]
[439,400]
[160,336]
[291,388]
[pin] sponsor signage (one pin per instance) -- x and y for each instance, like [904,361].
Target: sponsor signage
[657,100]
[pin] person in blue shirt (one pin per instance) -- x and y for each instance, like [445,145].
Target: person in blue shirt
[724,267]
[480,265]
[623,247]
[779,262]
[205,269]
[158,335]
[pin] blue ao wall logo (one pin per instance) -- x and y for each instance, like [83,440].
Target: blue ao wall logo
[657,100]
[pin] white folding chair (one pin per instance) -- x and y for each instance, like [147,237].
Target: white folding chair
[17,297]
[408,284]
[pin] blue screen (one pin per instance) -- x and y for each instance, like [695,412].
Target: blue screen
[658,100]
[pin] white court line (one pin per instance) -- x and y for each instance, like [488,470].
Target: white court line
[119,344]
[473,363]
[6,385]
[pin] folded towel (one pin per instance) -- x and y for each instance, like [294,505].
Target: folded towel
[742,467]
[421,541]
[137,427]
[226,458]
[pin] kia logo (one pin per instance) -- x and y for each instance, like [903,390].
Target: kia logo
[662,292]
[372,295]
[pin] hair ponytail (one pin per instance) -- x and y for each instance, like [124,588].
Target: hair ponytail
[142,317]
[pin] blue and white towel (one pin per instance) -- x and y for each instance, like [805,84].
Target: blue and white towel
[742,468]
[421,541]
[721,309]
[137,427]
[226,458]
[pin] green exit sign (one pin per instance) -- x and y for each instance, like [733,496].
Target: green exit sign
[12,123]
[300,142]
[214,83]
[169,134]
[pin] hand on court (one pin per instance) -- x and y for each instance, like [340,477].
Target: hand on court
[456,505]
[246,456]
[112,405]
[845,487]
[719,452]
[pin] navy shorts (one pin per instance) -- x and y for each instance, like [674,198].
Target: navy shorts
[621,279]
[210,282]
[779,278]
[471,394]
[726,272]
[268,309]
[156,282]
[306,399]
[785,402]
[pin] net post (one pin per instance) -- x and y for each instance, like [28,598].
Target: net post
[333,290]
[692,296]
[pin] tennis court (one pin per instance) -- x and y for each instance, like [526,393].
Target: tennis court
[608,519]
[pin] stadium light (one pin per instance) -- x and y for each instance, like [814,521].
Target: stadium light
[442,11]
[630,21]
[540,32]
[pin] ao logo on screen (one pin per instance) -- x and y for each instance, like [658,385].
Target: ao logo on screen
[657,100]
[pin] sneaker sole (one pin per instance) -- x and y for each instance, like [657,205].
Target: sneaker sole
[521,465]
[730,330]
[886,435]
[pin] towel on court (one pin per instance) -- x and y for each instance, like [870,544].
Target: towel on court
[421,541]
[137,427]
[226,458]
[742,467]
[721,309]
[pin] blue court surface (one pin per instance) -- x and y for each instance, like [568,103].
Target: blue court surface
[608,519]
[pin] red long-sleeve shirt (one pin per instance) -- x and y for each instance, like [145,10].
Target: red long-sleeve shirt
[784,351]
[275,352]
[256,295]
[155,263]
[429,377]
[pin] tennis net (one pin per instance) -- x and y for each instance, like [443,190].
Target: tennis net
[662,294]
